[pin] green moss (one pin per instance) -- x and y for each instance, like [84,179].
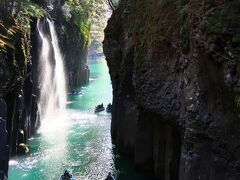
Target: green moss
[27,10]
[237,100]
[79,16]
[236,38]
[224,20]
[84,27]
[33,9]
[82,12]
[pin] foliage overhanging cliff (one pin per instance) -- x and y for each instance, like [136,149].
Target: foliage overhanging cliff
[19,49]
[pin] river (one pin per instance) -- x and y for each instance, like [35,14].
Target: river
[76,139]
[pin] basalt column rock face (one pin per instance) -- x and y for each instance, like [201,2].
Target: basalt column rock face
[174,67]
[18,110]
[4,149]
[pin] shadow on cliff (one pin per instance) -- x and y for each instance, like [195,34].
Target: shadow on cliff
[125,169]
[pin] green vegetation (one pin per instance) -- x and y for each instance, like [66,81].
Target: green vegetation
[13,47]
[224,20]
[32,9]
[5,41]
[27,10]
[237,100]
[85,13]
[15,34]
[22,10]
[236,38]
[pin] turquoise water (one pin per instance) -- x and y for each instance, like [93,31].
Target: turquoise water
[77,139]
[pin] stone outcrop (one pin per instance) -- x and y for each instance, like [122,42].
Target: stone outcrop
[174,67]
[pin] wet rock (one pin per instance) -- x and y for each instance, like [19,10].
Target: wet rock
[34,120]
[15,87]
[22,149]
[21,136]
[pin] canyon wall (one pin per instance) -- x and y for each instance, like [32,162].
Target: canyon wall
[18,103]
[174,67]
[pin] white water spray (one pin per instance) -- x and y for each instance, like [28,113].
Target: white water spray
[52,76]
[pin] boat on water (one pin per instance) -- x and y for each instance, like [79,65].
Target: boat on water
[109,108]
[66,176]
[75,92]
[99,108]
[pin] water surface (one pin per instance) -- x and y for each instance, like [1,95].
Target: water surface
[77,139]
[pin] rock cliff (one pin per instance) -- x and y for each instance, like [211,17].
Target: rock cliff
[18,104]
[73,40]
[19,70]
[74,46]
[174,67]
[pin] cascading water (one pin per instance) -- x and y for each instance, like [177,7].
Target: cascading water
[52,76]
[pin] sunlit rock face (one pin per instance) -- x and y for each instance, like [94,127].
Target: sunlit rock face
[174,67]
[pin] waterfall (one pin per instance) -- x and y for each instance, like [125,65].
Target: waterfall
[52,82]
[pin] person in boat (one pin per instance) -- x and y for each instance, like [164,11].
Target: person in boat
[110,177]
[109,107]
[99,106]
[66,176]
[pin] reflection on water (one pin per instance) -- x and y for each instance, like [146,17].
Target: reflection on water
[79,142]
[76,139]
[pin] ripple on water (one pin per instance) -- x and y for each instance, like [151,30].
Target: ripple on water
[76,139]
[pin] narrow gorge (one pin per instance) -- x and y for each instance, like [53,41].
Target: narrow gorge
[26,69]
[174,86]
